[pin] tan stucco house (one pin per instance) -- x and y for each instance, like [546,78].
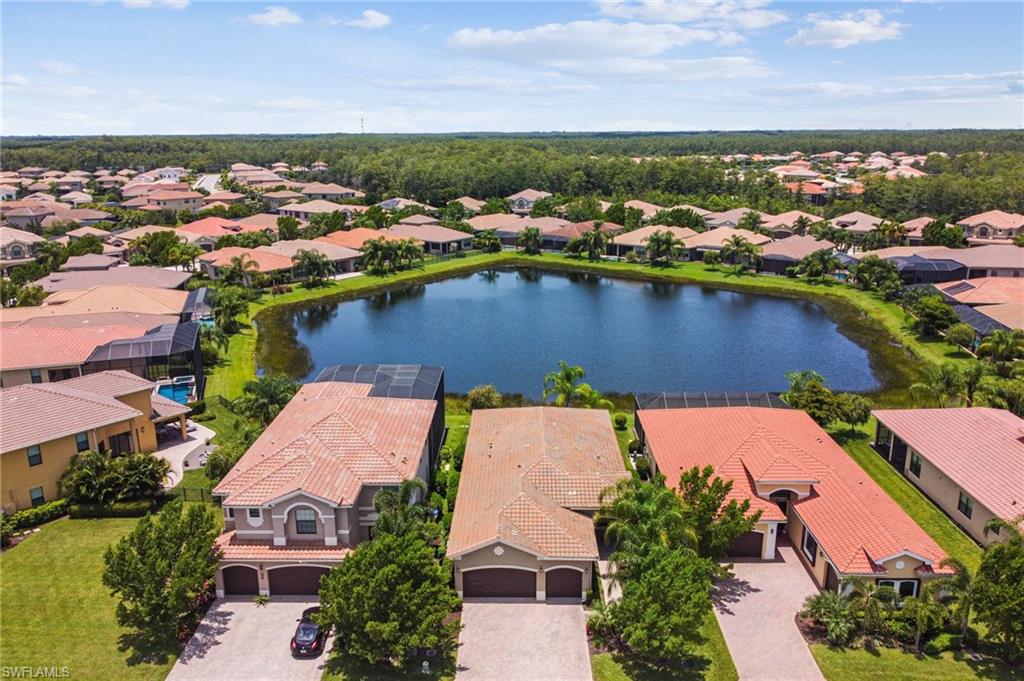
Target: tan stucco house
[530,484]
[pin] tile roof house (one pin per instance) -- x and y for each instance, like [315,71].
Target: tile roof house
[559,237]
[782,224]
[713,239]
[729,218]
[530,483]
[40,354]
[969,461]
[205,231]
[111,409]
[435,238]
[302,494]
[994,226]
[355,238]
[857,222]
[330,192]
[779,255]
[304,211]
[636,240]
[649,209]
[17,247]
[472,206]
[101,299]
[806,488]
[522,202]
[495,221]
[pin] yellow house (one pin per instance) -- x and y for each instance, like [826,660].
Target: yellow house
[42,426]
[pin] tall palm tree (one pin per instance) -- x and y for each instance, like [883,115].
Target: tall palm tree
[409,252]
[562,385]
[377,255]
[960,587]
[51,254]
[589,398]
[745,254]
[663,245]
[530,240]
[595,242]
[943,386]
[401,510]
[801,225]
[925,610]
[1001,347]
[263,399]
[238,270]
[314,265]
[972,374]
[487,241]
[869,601]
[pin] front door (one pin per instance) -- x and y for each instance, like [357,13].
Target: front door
[120,444]
[899,455]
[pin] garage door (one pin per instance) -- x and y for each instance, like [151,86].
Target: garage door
[240,580]
[499,583]
[296,581]
[564,583]
[747,546]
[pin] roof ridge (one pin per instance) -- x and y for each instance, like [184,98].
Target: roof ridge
[386,458]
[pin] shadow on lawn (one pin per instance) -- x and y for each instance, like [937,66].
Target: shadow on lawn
[144,650]
[689,669]
[343,666]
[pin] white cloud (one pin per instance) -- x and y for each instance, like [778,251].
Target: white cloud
[14,80]
[847,29]
[505,86]
[146,4]
[711,68]
[744,14]
[275,15]
[56,68]
[370,19]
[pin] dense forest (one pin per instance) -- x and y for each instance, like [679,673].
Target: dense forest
[985,169]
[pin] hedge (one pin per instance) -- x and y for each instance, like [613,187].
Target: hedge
[30,517]
[118,509]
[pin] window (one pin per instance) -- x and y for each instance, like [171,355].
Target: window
[82,442]
[35,455]
[36,375]
[904,587]
[37,496]
[254,513]
[305,521]
[965,505]
[915,464]
[810,547]
[231,513]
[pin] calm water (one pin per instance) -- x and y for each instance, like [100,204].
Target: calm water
[510,327]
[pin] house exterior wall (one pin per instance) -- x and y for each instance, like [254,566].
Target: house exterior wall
[17,477]
[9,379]
[487,557]
[179,204]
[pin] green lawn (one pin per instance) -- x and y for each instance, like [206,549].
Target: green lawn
[711,662]
[55,610]
[932,520]
[343,668]
[888,663]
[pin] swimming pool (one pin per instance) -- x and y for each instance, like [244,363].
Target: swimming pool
[179,393]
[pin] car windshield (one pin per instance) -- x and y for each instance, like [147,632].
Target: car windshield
[306,633]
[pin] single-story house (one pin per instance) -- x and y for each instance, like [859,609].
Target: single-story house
[714,239]
[857,222]
[330,192]
[809,493]
[779,255]
[302,495]
[111,409]
[305,211]
[522,202]
[435,238]
[556,239]
[995,260]
[102,299]
[419,219]
[730,218]
[355,238]
[472,206]
[282,197]
[76,198]
[89,262]
[400,203]
[648,209]
[530,484]
[636,240]
[265,221]
[229,198]
[496,221]
[509,232]
[343,258]
[969,461]
[206,231]
[782,224]
[214,263]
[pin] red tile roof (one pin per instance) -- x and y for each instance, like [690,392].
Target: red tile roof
[855,522]
[38,347]
[217,227]
[979,448]
[233,548]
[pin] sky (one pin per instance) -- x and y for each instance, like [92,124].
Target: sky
[189,67]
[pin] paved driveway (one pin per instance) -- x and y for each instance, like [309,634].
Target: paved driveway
[518,641]
[240,640]
[756,611]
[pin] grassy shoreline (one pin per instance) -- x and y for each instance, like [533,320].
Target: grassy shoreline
[897,360]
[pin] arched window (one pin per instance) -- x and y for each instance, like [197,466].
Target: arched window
[305,521]
[17,251]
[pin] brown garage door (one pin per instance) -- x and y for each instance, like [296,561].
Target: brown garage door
[747,546]
[240,580]
[499,583]
[301,580]
[563,583]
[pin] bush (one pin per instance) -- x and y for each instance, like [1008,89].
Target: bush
[483,397]
[280,289]
[118,509]
[204,417]
[621,421]
[791,272]
[634,446]
[30,517]
[198,407]
[941,643]
[643,468]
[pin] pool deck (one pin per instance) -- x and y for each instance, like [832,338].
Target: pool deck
[184,454]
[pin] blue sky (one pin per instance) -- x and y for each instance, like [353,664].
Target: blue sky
[174,66]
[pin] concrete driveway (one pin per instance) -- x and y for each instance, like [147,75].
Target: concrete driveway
[241,640]
[755,611]
[514,641]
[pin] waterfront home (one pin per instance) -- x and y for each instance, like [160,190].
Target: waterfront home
[992,227]
[969,461]
[17,247]
[636,240]
[302,495]
[522,202]
[43,354]
[356,237]
[777,256]
[558,238]
[995,260]
[435,238]
[101,299]
[343,259]
[115,410]
[257,260]
[714,239]
[808,490]
[530,484]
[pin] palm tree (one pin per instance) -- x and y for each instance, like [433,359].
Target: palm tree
[818,264]
[227,305]
[595,242]
[51,255]
[408,251]
[801,225]
[214,335]
[401,510]
[314,265]
[487,241]
[1001,347]
[943,385]
[265,397]
[753,222]
[972,374]
[238,269]
[960,587]
[530,240]
[562,384]
[744,253]
[85,480]
[663,245]
[869,601]
[589,398]
[926,610]
[377,255]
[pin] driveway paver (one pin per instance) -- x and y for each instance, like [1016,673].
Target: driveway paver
[241,640]
[756,611]
[516,641]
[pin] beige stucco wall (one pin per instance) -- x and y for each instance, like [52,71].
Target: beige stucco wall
[17,477]
[938,487]
[511,557]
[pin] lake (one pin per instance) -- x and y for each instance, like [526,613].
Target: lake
[510,327]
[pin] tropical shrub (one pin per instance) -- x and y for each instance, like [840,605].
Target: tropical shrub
[483,397]
[621,421]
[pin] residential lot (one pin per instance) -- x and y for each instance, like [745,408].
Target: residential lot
[520,640]
[756,609]
[239,639]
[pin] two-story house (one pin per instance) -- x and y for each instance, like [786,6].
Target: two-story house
[815,502]
[521,203]
[17,247]
[45,425]
[992,227]
[302,495]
